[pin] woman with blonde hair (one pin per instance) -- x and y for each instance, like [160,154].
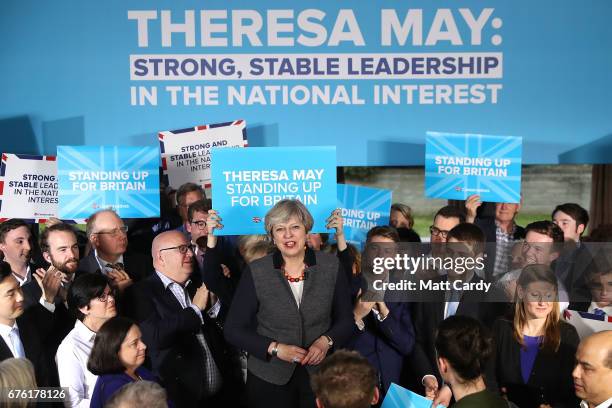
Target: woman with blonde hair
[535,351]
[16,374]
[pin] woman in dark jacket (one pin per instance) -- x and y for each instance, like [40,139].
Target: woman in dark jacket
[289,310]
[116,358]
[383,331]
[535,352]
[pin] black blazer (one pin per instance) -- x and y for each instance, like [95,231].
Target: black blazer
[551,377]
[169,331]
[34,326]
[426,318]
[212,275]
[137,265]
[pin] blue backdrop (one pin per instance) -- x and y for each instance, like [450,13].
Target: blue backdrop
[82,72]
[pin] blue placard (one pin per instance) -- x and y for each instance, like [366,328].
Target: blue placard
[399,397]
[246,183]
[363,208]
[124,178]
[460,165]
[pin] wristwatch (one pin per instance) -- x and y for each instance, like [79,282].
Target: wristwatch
[330,342]
[274,351]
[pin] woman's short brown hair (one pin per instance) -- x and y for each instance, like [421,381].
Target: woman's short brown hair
[285,209]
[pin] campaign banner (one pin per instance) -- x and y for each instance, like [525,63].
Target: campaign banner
[124,178]
[367,76]
[587,323]
[246,183]
[400,397]
[28,187]
[185,153]
[363,208]
[460,165]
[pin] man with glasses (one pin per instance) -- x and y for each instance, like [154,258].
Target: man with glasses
[186,348]
[186,195]
[107,235]
[218,271]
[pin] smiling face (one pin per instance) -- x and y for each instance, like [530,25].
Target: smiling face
[538,299]
[63,251]
[168,257]
[132,350]
[538,249]
[16,247]
[290,237]
[505,212]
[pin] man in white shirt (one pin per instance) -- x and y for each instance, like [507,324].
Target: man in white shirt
[23,333]
[593,371]
[91,299]
[16,245]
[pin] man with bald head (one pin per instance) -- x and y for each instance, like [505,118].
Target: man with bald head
[593,371]
[186,348]
[107,235]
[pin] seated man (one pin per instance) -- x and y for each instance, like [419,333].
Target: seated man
[345,380]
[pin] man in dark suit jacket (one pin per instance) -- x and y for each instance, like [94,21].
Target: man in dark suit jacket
[464,240]
[217,271]
[22,333]
[107,235]
[186,349]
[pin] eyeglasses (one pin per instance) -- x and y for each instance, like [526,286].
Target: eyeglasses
[115,231]
[437,231]
[104,296]
[201,224]
[182,248]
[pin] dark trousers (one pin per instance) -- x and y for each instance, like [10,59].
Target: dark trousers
[295,394]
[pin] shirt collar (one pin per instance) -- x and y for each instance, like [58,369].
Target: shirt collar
[28,276]
[166,281]
[310,258]
[512,230]
[103,262]
[5,330]
[84,332]
[607,403]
